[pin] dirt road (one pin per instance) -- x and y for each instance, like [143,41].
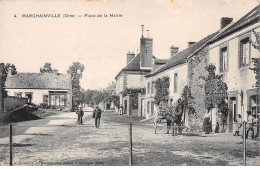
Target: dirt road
[58,140]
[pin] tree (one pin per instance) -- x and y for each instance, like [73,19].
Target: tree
[256,61]
[187,100]
[162,90]
[76,70]
[215,89]
[8,68]
[216,92]
[46,68]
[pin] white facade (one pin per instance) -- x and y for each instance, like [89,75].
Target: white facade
[181,71]
[239,78]
[37,94]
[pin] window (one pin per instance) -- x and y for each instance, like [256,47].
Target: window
[148,107]
[148,87]
[255,105]
[29,97]
[153,88]
[175,82]
[244,52]
[223,59]
[45,98]
[19,94]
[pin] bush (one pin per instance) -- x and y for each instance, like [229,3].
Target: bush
[44,105]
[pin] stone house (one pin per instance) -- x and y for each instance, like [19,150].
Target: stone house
[132,75]
[231,51]
[53,89]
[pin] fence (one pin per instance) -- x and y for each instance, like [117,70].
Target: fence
[83,145]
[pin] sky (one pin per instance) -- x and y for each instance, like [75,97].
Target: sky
[101,43]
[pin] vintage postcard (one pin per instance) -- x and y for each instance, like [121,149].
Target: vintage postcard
[129,83]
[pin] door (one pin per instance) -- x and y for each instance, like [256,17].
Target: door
[233,114]
[125,106]
[152,108]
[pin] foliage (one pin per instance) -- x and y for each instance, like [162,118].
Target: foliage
[185,103]
[256,44]
[133,91]
[115,99]
[215,89]
[256,61]
[47,68]
[8,68]
[162,90]
[76,70]
[43,105]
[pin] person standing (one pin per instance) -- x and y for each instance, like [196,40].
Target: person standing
[121,110]
[238,125]
[251,120]
[207,123]
[80,115]
[97,115]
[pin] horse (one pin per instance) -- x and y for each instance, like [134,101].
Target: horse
[171,118]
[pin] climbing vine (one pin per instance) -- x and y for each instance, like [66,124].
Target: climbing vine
[186,100]
[133,91]
[162,90]
[215,91]
[256,61]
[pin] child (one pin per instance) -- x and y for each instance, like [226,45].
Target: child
[238,125]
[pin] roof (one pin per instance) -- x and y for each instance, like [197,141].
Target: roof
[250,18]
[38,81]
[133,65]
[181,57]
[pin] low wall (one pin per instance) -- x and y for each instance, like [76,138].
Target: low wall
[11,103]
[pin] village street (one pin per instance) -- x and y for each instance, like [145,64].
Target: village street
[58,140]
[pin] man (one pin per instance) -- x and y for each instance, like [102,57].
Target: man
[251,120]
[80,115]
[97,115]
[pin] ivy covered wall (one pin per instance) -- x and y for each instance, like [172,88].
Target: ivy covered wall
[197,64]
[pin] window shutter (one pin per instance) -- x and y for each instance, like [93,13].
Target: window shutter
[241,54]
[221,60]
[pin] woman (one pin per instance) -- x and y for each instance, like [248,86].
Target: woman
[207,123]
[238,125]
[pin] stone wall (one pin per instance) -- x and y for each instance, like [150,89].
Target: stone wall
[196,72]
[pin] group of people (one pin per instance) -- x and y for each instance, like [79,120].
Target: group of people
[96,114]
[251,120]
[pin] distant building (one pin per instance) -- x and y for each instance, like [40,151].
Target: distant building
[132,75]
[54,89]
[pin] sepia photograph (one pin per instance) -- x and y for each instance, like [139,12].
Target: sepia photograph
[129,83]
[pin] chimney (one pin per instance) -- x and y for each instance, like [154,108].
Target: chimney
[174,50]
[224,21]
[146,52]
[190,43]
[129,56]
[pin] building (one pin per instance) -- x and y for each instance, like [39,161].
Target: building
[132,75]
[231,51]
[53,89]
[177,68]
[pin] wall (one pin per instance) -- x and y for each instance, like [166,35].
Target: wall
[120,84]
[197,65]
[11,103]
[37,96]
[182,71]
[135,81]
